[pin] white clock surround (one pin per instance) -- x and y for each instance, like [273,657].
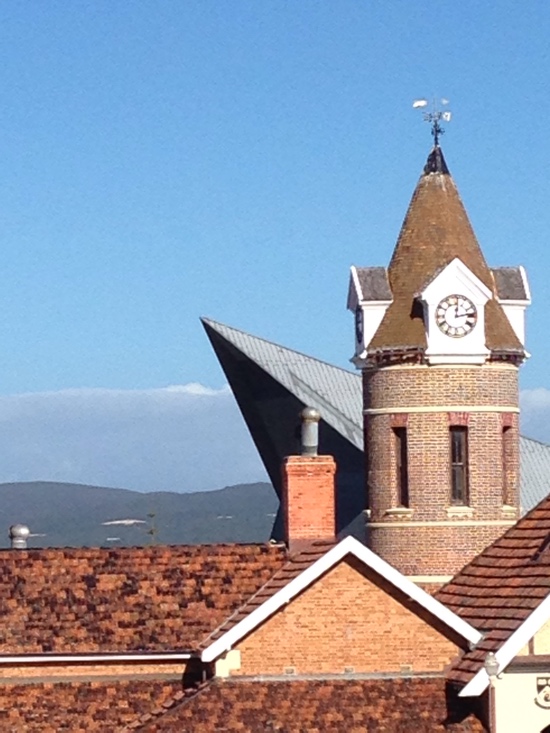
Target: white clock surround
[442,348]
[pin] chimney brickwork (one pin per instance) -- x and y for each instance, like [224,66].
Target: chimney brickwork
[309,503]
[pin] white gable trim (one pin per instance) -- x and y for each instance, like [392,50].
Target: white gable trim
[456,269]
[348,546]
[510,648]
[525,284]
[49,658]
[355,295]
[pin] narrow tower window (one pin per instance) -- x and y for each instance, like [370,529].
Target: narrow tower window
[401,464]
[459,465]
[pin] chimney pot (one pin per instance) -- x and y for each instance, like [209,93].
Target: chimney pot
[19,533]
[310,431]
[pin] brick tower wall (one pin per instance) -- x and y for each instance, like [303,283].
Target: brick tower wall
[433,536]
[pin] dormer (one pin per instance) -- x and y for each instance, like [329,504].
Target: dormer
[369,297]
[514,296]
[454,316]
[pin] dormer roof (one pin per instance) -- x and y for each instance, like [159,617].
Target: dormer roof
[435,231]
[368,285]
[511,284]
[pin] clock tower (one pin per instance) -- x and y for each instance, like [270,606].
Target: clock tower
[439,338]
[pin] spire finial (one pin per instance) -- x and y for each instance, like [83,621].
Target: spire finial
[435,117]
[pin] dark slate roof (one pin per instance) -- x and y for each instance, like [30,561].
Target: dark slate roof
[509,283]
[316,706]
[68,707]
[374,283]
[436,229]
[501,587]
[125,599]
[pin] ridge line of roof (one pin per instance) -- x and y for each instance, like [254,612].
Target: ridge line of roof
[212,323]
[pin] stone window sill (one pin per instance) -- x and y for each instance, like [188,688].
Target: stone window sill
[460,512]
[399,512]
[509,512]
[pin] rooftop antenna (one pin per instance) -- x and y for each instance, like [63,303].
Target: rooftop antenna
[436,116]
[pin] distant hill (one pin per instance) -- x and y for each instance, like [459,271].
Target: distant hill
[75,515]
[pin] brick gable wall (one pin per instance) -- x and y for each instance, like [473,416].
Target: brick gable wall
[349,620]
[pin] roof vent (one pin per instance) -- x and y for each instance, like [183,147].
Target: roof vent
[310,431]
[19,534]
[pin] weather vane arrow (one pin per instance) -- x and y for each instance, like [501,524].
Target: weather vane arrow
[435,117]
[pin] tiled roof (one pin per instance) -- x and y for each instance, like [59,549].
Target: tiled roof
[125,599]
[500,588]
[315,706]
[436,229]
[80,706]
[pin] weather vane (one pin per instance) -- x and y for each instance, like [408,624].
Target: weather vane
[435,117]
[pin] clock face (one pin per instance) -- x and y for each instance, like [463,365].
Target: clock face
[456,316]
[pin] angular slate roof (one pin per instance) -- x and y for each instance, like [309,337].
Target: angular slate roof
[436,229]
[316,706]
[337,394]
[501,587]
[149,599]
[332,390]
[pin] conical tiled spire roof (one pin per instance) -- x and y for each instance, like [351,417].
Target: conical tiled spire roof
[435,231]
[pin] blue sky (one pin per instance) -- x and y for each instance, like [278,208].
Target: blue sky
[162,161]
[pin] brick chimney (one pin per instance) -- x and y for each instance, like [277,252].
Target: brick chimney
[309,506]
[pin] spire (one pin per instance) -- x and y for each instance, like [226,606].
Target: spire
[436,162]
[436,229]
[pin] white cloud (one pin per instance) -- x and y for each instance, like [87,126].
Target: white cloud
[177,438]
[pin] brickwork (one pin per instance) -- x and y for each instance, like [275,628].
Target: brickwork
[426,386]
[432,550]
[349,620]
[309,502]
[492,465]
[510,459]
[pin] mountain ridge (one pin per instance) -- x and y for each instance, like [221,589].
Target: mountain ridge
[61,514]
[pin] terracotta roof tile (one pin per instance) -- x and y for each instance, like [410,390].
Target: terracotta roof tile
[75,707]
[125,599]
[315,706]
[436,229]
[501,587]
